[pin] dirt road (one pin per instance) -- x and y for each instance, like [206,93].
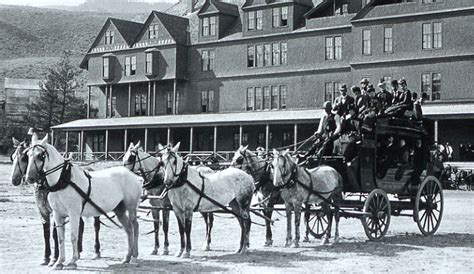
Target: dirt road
[403,250]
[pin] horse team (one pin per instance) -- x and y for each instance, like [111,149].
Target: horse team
[70,192]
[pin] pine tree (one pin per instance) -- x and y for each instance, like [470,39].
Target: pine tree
[58,101]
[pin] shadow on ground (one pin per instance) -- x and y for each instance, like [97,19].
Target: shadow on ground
[437,240]
[367,248]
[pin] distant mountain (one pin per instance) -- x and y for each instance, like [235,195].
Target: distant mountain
[115,6]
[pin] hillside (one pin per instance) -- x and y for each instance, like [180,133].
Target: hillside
[31,38]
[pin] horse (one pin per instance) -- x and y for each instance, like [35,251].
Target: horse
[189,191]
[20,163]
[75,192]
[302,186]
[147,166]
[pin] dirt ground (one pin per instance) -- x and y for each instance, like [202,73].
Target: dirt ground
[403,250]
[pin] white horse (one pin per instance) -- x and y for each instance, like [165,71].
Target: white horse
[232,187]
[299,185]
[147,166]
[115,189]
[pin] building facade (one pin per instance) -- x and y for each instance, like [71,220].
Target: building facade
[257,72]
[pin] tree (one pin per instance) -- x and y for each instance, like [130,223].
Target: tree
[58,101]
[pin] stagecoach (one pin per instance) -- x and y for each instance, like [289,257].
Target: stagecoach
[373,192]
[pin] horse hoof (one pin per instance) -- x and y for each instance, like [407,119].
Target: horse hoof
[244,251]
[45,261]
[178,254]
[52,262]
[206,248]
[71,266]
[186,255]
[288,244]
[133,261]
[295,245]
[325,241]
[268,243]
[154,252]
[165,251]
[97,255]
[306,239]
[125,260]
[58,266]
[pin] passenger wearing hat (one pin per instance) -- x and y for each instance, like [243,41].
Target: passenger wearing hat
[370,113]
[343,102]
[395,92]
[345,145]
[364,85]
[360,100]
[384,96]
[403,101]
[328,130]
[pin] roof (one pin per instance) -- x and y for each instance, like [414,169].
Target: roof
[246,118]
[17,83]
[128,29]
[176,26]
[222,7]
[324,4]
[453,110]
[363,12]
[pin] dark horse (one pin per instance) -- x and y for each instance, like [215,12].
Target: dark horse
[20,163]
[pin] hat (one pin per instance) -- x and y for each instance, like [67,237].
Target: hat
[382,84]
[327,105]
[355,88]
[364,81]
[343,87]
[394,83]
[402,81]
[371,89]
[370,85]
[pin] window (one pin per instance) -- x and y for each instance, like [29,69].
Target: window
[283,95]
[267,49]
[430,1]
[207,101]
[140,104]
[280,17]
[287,138]
[208,57]
[259,55]
[274,100]
[212,25]
[261,142]
[366,43]
[329,48]
[114,105]
[153,31]
[109,37]
[266,98]
[432,35]
[127,66]
[331,90]
[334,48]
[245,139]
[276,54]
[258,98]
[130,65]
[284,50]
[259,23]
[105,67]
[149,63]
[250,99]
[345,9]
[169,103]
[134,65]
[205,26]
[431,85]
[388,39]
[251,57]
[251,20]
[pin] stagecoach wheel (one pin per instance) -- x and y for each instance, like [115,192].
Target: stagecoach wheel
[429,205]
[377,222]
[317,223]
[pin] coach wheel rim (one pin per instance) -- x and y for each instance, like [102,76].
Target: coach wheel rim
[317,223]
[377,222]
[429,205]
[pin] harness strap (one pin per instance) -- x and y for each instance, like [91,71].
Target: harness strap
[200,196]
[64,178]
[89,188]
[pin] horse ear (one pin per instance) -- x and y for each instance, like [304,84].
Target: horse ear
[137,145]
[131,145]
[160,147]
[44,141]
[176,147]
[245,148]
[15,142]
[275,152]
[286,151]
[34,138]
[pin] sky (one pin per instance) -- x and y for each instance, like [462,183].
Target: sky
[39,3]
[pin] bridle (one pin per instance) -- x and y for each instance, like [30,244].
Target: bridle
[22,157]
[40,170]
[248,164]
[181,175]
[291,174]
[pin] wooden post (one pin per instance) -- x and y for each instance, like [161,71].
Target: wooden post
[154,97]
[148,105]
[67,144]
[168,136]
[125,140]
[88,103]
[267,135]
[146,140]
[106,101]
[436,125]
[240,135]
[174,98]
[81,144]
[106,144]
[129,100]
[52,137]
[191,131]
[110,100]
[295,136]
[215,139]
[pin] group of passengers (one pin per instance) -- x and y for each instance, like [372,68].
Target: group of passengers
[349,116]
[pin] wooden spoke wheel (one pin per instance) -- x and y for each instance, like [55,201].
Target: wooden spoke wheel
[317,223]
[429,205]
[377,207]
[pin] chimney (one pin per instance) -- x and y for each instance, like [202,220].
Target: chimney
[190,5]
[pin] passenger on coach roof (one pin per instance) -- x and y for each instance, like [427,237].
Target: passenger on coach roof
[346,144]
[360,100]
[369,115]
[384,96]
[402,101]
[364,85]
[343,102]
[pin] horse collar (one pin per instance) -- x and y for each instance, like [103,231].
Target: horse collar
[64,178]
[182,178]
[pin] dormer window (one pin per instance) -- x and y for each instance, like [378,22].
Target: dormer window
[109,37]
[151,62]
[107,67]
[153,31]
[208,26]
[342,10]
[255,20]
[280,17]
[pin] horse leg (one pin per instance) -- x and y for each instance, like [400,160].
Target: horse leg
[97,242]
[288,224]
[236,208]
[337,216]
[297,207]
[156,225]
[47,245]
[166,221]
[211,224]
[56,246]
[132,215]
[268,212]
[180,218]
[188,220]
[306,220]
[81,232]
[328,211]
[59,221]
[75,228]
[127,226]
[208,240]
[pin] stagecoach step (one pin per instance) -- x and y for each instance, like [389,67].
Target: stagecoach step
[354,214]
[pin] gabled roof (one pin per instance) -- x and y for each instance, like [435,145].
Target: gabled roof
[128,29]
[176,26]
[222,7]
[363,12]
[321,6]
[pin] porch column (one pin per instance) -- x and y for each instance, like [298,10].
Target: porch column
[267,135]
[146,140]
[52,137]
[168,136]
[129,100]
[148,105]
[106,144]
[436,130]
[174,97]
[295,136]
[110,100]
[154,97]
[240,135]
[191,131]
[88,103]
[81,144]
[125,140]
[215,139]
[106,101]
[66,148]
